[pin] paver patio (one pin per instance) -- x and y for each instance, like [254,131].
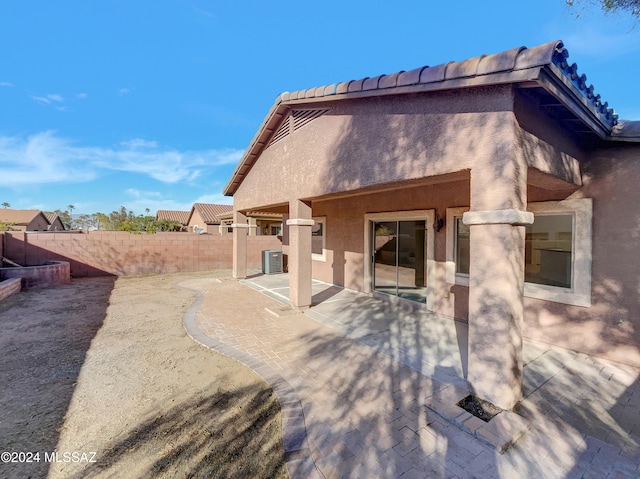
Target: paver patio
[355,376]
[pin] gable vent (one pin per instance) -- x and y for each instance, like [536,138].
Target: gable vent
[302,117]
[281,132]
[295,121]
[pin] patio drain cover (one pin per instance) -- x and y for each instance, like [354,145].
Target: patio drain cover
[479,408]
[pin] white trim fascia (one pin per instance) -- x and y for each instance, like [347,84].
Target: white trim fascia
[300,222]
[498,217]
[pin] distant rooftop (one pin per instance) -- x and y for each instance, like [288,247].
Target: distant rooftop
[181,217]
[210,213]
[18,217]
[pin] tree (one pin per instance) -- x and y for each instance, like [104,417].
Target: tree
[613,6]
[6,226]
[5,205]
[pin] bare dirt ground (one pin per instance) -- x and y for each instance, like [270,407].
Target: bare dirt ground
[102,372]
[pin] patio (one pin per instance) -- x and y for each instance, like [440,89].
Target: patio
[434,345]
[368,389]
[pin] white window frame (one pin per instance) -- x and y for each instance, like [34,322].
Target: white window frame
[579,294]
[316,256]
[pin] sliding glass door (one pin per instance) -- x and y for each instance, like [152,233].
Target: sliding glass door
[399,259]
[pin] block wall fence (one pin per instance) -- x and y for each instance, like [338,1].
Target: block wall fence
[100,253]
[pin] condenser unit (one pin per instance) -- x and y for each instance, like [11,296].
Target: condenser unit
[271,261]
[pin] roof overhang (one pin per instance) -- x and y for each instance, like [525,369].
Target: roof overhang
[543,70]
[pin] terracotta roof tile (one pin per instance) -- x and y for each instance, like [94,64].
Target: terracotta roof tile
[210,212]
[51,217]
[18,217]
[411,77]
[433,74]
[181,217]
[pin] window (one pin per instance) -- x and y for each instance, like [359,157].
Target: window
[318,239]
[462,246]
[557,251]
[276,230]
[549,250]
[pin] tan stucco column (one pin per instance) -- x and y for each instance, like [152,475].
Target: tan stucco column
[253,227]
[240,228]
[300,223]
[496,281]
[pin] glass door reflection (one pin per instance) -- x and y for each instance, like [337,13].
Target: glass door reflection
[399,259]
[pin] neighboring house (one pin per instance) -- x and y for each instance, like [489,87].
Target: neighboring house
[181,217]
[205,217]
[55,223]
[260,223]
[24,220]
[500,190]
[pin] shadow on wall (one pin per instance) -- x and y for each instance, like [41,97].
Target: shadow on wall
[41,360]
[611,326]
[403,143]
[122,254]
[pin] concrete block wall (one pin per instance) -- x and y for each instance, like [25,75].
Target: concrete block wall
[100,253]
[53,273]
[9,287]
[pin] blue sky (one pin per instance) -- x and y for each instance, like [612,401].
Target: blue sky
[150,104]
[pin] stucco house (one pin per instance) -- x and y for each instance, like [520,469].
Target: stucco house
[205,217]
[55,223]
[499,190]
[24,220]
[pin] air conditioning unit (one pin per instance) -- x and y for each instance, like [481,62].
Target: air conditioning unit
[271,261]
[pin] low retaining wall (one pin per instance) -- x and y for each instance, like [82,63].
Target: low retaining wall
[52,273]
[9,287]
[121,253]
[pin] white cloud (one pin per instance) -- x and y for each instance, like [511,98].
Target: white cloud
[46,158]
[82,96]
[124,91]
[5,83]
[49,99]
[135,193]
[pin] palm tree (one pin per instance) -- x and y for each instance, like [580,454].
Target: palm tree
[71,208]
[6,205]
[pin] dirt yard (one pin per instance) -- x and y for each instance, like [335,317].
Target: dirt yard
[99,379]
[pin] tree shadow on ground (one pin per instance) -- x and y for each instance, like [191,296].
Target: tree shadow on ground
[44,338]
[222,435]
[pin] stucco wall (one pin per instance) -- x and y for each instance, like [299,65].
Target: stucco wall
[345,258]
[382,140]
[398,140]
[611,326]
[122,253]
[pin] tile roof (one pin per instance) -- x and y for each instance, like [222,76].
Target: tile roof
[547,65]
[51,217]
[210,212]
[515,59]
[181,217]
[18,217]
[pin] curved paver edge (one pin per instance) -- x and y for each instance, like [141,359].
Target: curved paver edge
[294,433]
